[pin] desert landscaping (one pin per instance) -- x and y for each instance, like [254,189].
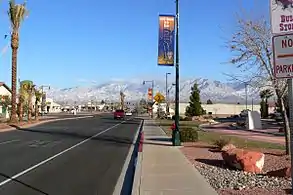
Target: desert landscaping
[234,164]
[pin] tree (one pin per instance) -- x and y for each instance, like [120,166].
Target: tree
[194,108]
[209,101]
[38,97]
[16,13]
[27,88]
[264,106]
[21,100]
[250,45]
[5,101]
[122,97]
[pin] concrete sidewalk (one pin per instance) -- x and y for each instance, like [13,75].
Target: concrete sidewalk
[163,169]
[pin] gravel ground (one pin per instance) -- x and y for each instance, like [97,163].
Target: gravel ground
[227,181]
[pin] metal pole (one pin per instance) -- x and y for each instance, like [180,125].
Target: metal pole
[152,98]
[245,96]
[252,104]
[166,87]
[290,100]
[176,134]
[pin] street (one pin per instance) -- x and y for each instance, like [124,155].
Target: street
[71,157]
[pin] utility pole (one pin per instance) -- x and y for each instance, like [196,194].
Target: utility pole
[175,132]
[246,95]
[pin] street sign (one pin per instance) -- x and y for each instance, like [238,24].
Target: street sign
[283,55]
[281,16]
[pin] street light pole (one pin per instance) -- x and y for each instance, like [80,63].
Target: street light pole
[246,95]
[175,132]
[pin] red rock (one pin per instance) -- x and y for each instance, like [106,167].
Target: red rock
[245,160]
[285,172]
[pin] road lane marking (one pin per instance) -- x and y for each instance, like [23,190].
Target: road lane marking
[10,141]
[58,154]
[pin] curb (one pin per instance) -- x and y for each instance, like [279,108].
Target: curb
[127,175]
[15,127]
[138,166]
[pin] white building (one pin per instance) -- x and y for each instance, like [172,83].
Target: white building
[51,106]
[4,91]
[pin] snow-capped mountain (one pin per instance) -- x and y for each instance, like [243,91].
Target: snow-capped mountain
[209,89]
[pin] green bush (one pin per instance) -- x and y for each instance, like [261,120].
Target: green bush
[188,118]
[188,134]
[220,143]
[180,118]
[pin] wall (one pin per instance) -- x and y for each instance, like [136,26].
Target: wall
[222,109]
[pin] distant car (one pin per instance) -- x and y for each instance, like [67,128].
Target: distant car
[119,114]
[128,114]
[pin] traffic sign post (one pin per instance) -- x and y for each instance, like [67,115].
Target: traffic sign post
[282,22]
[283,56]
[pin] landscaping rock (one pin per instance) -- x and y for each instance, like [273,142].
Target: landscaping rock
[285,172]
[248,161]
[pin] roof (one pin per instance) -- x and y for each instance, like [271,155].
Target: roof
[4,85]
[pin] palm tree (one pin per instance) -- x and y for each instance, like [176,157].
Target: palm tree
[30,96]
[122,97]
[21,100]
[16,13]
[38,97]
[266,94]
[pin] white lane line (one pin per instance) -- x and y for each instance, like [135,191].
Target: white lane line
[10,141]
[56,155]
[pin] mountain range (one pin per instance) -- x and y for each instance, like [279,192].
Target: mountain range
[218,92]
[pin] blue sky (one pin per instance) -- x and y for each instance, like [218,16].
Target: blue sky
[68,43]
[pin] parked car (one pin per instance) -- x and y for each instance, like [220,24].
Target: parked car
[128,114]
[119,114]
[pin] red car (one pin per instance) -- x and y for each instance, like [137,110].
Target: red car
[119,114]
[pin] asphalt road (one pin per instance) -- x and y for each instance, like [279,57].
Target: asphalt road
[72,157]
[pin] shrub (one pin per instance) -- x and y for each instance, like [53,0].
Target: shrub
[188,118]
[180,118]
[188,134]
[220,143]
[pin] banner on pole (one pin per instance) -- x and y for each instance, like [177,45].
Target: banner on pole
[150,93]
[166,40]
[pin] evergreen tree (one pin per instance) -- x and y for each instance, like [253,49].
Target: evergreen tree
[209,101]
[194,108]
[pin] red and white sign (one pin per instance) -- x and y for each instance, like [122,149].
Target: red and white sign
[281,16]
[283,56]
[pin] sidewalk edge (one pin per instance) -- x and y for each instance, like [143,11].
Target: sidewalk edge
[119,184]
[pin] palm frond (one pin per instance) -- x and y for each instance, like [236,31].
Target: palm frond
[17,13]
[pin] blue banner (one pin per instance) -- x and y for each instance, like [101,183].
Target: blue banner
[166,40]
